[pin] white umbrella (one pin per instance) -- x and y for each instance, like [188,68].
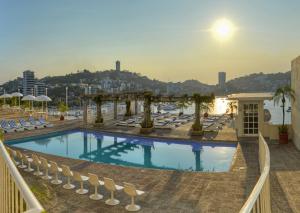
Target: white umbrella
[4,96]
[43,98]
[18,95]
[29,98]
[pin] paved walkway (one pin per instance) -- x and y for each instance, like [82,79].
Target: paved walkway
[285,178]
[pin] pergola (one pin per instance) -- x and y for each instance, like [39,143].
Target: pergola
[148,98]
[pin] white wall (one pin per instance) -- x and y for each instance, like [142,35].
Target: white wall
[295,78]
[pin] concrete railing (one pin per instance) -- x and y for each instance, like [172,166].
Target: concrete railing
[259,199]
[15,195]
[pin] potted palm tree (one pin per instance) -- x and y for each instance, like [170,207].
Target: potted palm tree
[62,109]
[280,96]
[1,135]
[201,102]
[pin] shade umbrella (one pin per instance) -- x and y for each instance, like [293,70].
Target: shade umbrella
[43,98]
[5,96]
[30,98]
[18,95]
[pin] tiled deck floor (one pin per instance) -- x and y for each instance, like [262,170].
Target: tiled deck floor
[166,191]
[285,178]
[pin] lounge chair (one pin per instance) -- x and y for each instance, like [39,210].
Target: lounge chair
[94,181]
[68,173]
[45,123]
[81,179]
[18,127]
[6,127]
[26,125]
[37,163]
[46,167]
[132,192]
[112,187]
[35,123]
[54,169]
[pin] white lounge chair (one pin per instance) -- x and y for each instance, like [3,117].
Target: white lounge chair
[37,163]
[13,124]
[54,169]
[6,127]
[112,187]
[46,167]
[132,192]
[68,173]
[81,179]
[35,123]
[26,125]
[94,181]
[45,123]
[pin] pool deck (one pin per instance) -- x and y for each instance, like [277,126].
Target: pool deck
[166,191]
[176,191]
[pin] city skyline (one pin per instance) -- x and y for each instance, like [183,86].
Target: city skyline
[168,40]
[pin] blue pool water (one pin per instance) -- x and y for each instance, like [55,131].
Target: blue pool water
[133,151]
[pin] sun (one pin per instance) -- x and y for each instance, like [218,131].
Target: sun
[223,29]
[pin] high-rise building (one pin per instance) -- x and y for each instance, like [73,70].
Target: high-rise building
[222,79]
[28,82]
[118,66]
[39,88]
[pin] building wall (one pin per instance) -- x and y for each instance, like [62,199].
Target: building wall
[295,83]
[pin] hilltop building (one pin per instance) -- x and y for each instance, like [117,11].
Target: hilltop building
[118,66]
[222,79]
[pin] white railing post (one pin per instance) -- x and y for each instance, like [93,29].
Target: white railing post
[14,192]
[259,200]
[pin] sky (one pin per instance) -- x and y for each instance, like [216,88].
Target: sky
[167,40]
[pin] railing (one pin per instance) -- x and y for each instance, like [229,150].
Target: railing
[259,199]
[15,195]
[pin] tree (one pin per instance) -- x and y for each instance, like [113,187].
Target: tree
[147,122]
[201,102]
[231,105]
[281,95]
[183,103]
[128,107]
[98,100]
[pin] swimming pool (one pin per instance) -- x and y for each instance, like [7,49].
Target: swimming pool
[127,150]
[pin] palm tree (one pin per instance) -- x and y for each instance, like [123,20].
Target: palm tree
[201,102]
[183,103]
[98,100]
[281,95]
[232,105]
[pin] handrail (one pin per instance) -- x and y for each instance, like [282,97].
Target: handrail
[15,195]
[259,199]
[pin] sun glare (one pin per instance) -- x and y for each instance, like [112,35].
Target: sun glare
[223,29]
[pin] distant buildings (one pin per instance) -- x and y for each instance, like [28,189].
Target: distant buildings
[28,82]
[118,66]
[222,79]
[30,86]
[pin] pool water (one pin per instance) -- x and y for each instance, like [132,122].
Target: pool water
[126,150]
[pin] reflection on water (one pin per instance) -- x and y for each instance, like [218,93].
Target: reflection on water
[135,151]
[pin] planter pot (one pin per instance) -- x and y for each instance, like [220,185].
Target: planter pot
[283,138]
[196,133]
[146,130]
[62,118]
[98,124]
